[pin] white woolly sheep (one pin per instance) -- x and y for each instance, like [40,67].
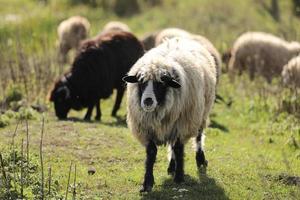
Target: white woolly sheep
[116,26]
[291,73]
[261,53]
[70,33]
[171,91]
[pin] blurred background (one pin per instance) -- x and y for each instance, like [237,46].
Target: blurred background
[28,29]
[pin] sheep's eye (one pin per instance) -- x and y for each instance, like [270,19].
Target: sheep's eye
[142,85]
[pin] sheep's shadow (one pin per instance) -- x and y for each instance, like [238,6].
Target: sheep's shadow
[118,122]
[77,119]
[203,188]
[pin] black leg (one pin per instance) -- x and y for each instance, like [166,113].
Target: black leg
[171,168]
[88,114]
[200,157]
[98,111]
[120,93]
[151,151]
[179,161]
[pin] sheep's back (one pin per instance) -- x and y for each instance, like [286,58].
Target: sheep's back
[102,62]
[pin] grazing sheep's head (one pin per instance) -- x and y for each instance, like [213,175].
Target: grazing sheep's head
[61,97]
[152,92]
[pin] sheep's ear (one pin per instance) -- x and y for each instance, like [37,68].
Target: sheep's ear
[130,79]
[168,80]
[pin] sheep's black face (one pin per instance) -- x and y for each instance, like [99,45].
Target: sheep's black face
[153,93]
[62,101]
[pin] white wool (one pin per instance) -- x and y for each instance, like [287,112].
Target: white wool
[71,32]
[262,54]
[291,73]
[116,26]
[186,109]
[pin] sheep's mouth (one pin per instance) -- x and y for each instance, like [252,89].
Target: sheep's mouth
[148,109]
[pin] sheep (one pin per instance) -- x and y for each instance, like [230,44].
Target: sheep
[116,26]
[169,33]
[225,58]
[148,40]
[97,70]
[171,91]
[70,33]
[261,53]
[291,73]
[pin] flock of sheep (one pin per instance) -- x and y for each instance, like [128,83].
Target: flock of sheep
[171,76]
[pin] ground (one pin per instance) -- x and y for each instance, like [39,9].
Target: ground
[246,162]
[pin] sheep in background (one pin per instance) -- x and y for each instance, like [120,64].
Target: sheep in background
[169,33]
[97,70]
[115,26]
[225,59]
[171,91]
[261,53]
[70,33]
[148,40]
[291,73]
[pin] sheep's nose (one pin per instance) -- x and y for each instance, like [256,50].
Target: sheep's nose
[148,101]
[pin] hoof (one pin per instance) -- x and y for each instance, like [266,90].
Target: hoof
[87,119]
[171,172]
[204,164]
[98,118]
[203,167]
[146,189]
[114,113]
[178,179]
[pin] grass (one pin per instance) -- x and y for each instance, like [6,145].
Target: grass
[261,145]
[244,163]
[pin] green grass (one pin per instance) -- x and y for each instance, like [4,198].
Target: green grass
[244,163]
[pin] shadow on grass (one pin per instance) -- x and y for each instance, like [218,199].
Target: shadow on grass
[203,188]
[217,125]
[76,119]
[119,122]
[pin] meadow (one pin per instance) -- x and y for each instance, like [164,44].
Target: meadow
[253,146]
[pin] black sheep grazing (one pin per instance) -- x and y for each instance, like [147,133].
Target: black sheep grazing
[97,69]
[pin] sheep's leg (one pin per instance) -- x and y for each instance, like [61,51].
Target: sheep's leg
[151,151]
[171,168]
[200,157]
[120,93]
[88,114]
[98,111]
[179,161]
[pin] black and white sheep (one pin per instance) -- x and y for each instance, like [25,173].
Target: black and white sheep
[97,70]
[70,33]
[171,91]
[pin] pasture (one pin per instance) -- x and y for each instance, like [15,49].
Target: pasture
[252,147]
